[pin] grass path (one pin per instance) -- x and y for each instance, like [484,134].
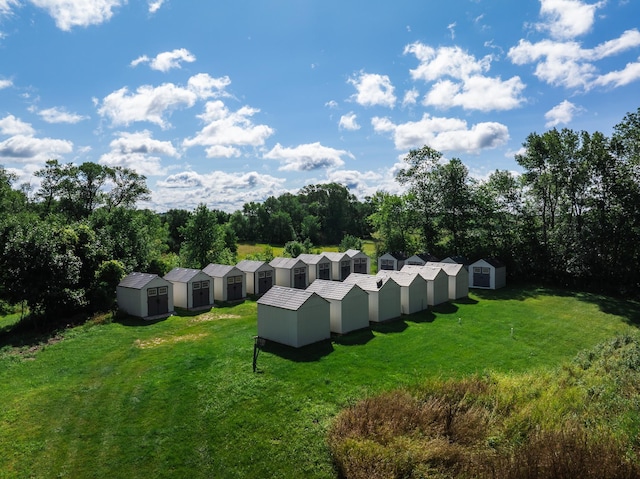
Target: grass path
[178,398]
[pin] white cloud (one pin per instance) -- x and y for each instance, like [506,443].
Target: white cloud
[137,151]
[5,84]
[6,6]
[466,86]
[443,134]
[155,5]
[565,19]
[410,97]
[568,64]
[217,189]
[78,13]
[146,104]
[629,74]
[367,183]
[452,30]
[10,125]
[225,130]
[562,113]
[28,149]
[349,122]
[165,61]
[60,115]
[307,157]
[373,90]
[331,104]
[206,86]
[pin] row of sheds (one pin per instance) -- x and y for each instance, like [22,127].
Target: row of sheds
[298,317]
[151,296]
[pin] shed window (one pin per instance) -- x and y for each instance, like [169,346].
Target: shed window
[261,274]
[152,292]
[485,270]
[230,280]
[238,279]
[476,269]
[269,274]
[196,285]
[324,265]
[345,263]
[204,284]
[163,290]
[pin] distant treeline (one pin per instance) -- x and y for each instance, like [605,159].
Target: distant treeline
[572,217]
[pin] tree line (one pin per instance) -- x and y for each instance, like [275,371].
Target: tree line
[572,216]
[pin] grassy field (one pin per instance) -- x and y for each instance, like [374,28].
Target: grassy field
[245,249]
[178,398]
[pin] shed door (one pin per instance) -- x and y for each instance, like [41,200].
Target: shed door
[360,265]
[157,301]
[324,271]
[265,281]
[300,278]
[386,264]
[481,277]
[234,288]
[200,293]
[345,269]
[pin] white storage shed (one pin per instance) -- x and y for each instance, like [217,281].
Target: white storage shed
[145,295]
[349,304]
[341,266]
[258,276]
[192,288]
[318,266]
[228,282]
[458,278]
[384,296]
[361,261]
[437,282]
[293,317]
[413,290]
[487,273]
[290,272]
[391,261]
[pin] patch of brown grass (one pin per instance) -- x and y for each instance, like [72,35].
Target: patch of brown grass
[155,342]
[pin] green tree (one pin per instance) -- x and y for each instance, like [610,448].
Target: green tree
[204,239]
[350,242]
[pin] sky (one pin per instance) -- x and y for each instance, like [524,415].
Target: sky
[224,103]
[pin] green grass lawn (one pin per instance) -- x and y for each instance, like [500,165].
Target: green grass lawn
[178,398]
[245,249]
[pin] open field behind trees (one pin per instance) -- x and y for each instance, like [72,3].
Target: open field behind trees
[178,398]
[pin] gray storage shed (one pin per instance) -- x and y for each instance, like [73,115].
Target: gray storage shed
[361,261]
[487,273]
[349,304]
[318,266]
[192,288]
[145,295]
[290,272]
[341,266]
[228,282]
[384,296]
[458,278]
[258,275]
[413,290]
[293,317]
[391,261]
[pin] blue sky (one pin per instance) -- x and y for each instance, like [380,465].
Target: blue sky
[230,102]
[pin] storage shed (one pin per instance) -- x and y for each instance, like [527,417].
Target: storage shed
[258,276]
[457,260]
[391,261]
[420,259]
[487,273]
[293,317]
[458,278]
[349,304]
[318,266]
[290,272]
[437,282]
[361,261]
[146,296]
[340,265]
[192,288]
[228,282]
[384,296]
[413,290]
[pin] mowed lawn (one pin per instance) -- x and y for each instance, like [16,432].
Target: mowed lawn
[178,398]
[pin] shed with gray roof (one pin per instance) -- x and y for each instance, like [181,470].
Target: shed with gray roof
[413,290]
[349,304]
[290,272]
[228,282]
[361,263]
[258,276]
[319,266]
[341,265]
[145,295]
[192,288]
[294,317]
[384,296]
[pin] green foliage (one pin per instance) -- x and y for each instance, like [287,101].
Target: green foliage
[206,240]
[107,277]
[293,249]
[350,242]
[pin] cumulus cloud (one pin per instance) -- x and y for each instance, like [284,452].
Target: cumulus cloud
[60,115]
[225,130]
[29,149]
[307,157]
[366,183]
[565,19]
[138,151]
[349,122]
[5,84]
[6,6]
[373,90]
[78,13]
[10,125]
[562,113]
[410,97]
[460,81]
[443,134]
[570,65]
[217,189]
[206,86]
[165,61]
[155,5]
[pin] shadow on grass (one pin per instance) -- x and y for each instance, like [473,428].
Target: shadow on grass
[391,326]
[134,321]
[465,300]
[425,316]
[624,308]
[355,338]
[518,292]
[445,308]
[305,354]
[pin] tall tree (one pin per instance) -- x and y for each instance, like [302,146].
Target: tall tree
[204,239]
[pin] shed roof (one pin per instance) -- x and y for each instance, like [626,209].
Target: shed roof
[286,263]
[431,272]
[312,258]
[367,282]
[331,289]
[250,266]
[451,269]
[335,256]
[137,280]
[396,255]
[181,275]
[219,270]
[403,278]
[355,252]
[286,298]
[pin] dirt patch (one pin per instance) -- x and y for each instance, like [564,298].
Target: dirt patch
[152,343]
[213,317]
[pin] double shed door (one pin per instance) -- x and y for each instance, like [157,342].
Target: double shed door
[234,288]
[360,265]
[265,281]
[481,277]
[157,301]
[200,294]
[300,278]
